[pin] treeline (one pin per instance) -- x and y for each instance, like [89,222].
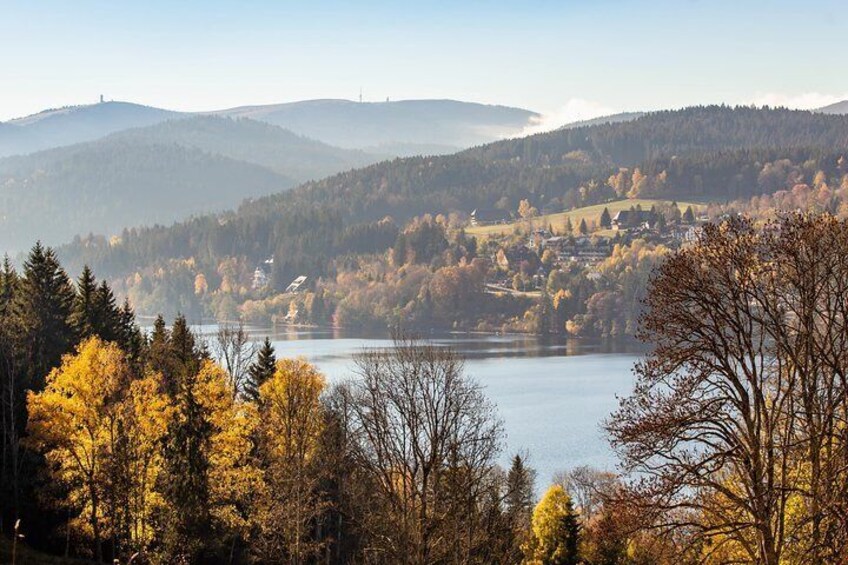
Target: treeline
[131,447]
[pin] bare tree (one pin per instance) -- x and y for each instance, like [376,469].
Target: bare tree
[235,350]
[426,438]
[709,426]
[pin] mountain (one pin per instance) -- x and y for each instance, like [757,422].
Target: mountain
[703,153]
[254,142]
[105,185]
[397,127]
[75,124]
[837,108]
[612,119]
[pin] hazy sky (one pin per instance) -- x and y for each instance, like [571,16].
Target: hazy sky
[569,59]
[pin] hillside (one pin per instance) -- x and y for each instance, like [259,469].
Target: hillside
[66,126]
[701,154]
[104,186]
[837,108]
[393,127]
[254,142]
[588,213]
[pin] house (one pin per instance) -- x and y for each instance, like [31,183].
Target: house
[260,279]
[634,218]
[489,216]
[295,284]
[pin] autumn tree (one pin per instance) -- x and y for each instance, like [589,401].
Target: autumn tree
[555,531]
[73,422]
[738,400]
[292,421]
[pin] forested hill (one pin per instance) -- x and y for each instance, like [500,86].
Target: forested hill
[670,133]
[254,142]
[398,128]
[160,173]
[697,152]
[102,187]
[75,124]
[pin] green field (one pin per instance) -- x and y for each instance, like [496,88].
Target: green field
[589,213]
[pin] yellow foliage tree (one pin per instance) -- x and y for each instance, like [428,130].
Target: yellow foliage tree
[555,531]
[73,421]
[233,477]
[292,424]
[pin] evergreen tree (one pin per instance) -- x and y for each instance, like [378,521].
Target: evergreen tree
[185,478]
[84,315]
[261,370]
[583,229]
[688,216]
[129,338]
[518,502]
[107,313]
[606,219]
[42,312]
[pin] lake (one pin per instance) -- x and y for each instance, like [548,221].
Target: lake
[551,395]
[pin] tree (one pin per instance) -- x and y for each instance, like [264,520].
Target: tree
[83,315]
[184,482]
[736,391]
[421,430]
[234,349]
[583,228]
[556,532]
[606,219]
[72,421]
[518,501]
[261,370]
[688,216]
[292,419]
[42,310]
[209,477]
[526,210]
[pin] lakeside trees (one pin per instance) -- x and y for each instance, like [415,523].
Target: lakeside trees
[736,425]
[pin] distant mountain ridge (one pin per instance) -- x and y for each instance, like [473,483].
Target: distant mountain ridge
[367,124]
[75,124]
[837,108]
[390,128]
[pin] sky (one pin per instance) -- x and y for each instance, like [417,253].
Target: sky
[568,59]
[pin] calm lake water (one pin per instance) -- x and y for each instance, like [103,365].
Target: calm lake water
[552,396]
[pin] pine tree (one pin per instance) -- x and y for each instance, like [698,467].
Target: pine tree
[83,315]
[606,219]
[261,370]
[583,229]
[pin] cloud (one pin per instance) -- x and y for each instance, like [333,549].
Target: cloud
[574,110]
[803,101]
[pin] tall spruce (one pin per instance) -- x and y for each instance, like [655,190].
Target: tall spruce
[42,311]
[83,313]
[518,504]
[261,370]
[185,479]
[108,315]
